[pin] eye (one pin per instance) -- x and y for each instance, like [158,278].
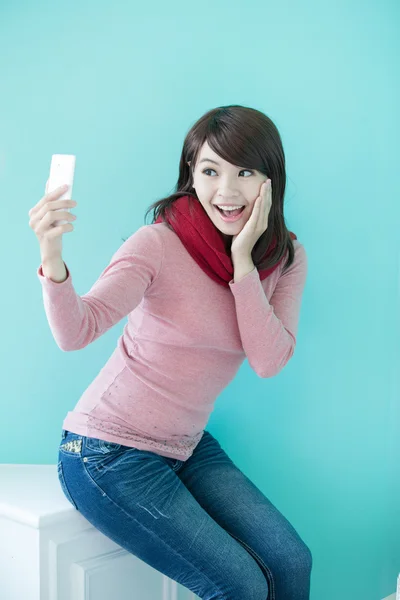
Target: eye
[243,171]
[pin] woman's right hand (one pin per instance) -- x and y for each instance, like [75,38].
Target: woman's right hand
[42,217]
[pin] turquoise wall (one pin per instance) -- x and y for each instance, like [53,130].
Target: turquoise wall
[119,85]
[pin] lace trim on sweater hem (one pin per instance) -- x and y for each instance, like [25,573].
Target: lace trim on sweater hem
[182,446]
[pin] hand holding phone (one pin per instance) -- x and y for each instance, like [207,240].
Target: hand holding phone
[62,169]
[57,199]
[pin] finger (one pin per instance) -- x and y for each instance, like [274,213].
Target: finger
[264,191]
[54,195]
[268,190]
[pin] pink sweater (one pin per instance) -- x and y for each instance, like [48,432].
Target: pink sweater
[184,340]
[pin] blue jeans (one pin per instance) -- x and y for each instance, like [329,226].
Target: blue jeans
[201,522]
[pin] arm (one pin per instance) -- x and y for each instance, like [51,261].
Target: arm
[268,329]
[54,269]
[76,321]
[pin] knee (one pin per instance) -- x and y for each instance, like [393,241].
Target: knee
[293,557]
[301,558]
[307,557]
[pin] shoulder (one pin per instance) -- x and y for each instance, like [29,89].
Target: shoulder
[299,267]
[146,234]
[300,255]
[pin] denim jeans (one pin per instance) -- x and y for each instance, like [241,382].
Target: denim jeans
[201,522]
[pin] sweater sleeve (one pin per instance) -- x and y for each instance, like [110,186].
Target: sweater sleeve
[76,321]
[268,329]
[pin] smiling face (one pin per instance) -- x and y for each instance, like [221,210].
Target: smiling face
[221,183]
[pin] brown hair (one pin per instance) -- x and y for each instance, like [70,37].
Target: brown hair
[246,137]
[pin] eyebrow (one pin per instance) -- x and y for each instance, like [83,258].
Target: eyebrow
[209,160]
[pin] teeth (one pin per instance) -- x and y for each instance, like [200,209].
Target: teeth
[229,207]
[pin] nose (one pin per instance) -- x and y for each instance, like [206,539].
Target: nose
[227,189]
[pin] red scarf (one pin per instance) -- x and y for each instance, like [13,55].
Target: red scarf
[204,241]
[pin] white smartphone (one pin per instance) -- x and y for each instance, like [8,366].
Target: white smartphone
[62,169]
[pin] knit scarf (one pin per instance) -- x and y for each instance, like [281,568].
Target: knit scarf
[205,242]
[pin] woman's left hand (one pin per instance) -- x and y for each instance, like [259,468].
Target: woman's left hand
[243,242]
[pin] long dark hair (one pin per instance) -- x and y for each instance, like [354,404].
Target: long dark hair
[242,136]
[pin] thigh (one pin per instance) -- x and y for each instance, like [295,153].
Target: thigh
[233,501]
[136,498]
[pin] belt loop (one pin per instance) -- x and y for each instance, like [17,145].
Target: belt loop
[64,434]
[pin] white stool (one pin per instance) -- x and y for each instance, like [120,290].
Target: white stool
[49,551]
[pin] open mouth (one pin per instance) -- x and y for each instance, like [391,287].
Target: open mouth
[231,215]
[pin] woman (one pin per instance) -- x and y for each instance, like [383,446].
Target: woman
[202,291]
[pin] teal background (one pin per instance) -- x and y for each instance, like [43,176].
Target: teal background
[119,85]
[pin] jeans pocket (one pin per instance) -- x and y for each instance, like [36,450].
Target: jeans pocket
[97,446]
[64,488]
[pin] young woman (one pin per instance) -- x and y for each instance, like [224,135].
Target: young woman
[203,289]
